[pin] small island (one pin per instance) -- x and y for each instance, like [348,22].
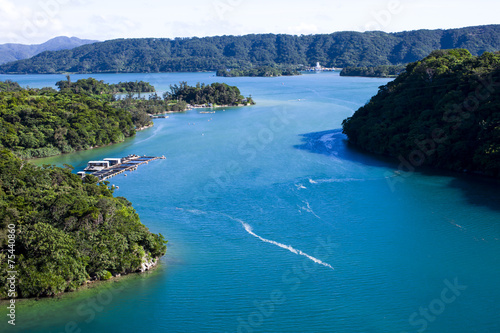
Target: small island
[384,71]
[442,112]
[212,95]
[259,71]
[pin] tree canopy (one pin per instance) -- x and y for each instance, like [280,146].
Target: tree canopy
[259,71]
[38,123]
[339,49]
[92,86]
[376,71]
[89,113]
[215,94]
[66,231]
[443,111]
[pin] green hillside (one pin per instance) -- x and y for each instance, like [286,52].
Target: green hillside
[65,231]
[340,49]
[44,122]
[444,111]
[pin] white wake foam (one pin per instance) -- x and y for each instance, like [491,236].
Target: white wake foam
[346,180]
[300,187]
[338,180]
[157,130]
[308,208]
[249,230]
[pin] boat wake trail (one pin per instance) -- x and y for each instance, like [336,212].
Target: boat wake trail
[347,180]
[307,208]
[336,180]
[248,228]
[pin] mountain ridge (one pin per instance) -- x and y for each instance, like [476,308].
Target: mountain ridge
[339,49]
[14,51]
[441,112]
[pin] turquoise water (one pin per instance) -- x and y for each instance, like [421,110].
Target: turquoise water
[276,225]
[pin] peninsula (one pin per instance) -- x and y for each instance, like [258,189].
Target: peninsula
[89,113]
[442,112]
[67,231]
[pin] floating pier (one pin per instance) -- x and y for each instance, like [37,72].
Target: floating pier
[119,166]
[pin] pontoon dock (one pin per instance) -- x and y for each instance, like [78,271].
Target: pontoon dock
[117,166]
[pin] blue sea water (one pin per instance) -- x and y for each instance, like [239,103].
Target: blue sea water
[275,224]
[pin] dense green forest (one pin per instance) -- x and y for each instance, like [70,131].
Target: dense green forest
[38,123]
[91,86]
[66,231]
[9,86]
[13,52]
[201,94]
[138,106]
[260,71]
[443,111]
[376,71]
[340,49]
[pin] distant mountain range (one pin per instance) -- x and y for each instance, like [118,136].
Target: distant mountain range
[12,52]
[339,49]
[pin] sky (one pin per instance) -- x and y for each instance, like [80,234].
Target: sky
[36,21]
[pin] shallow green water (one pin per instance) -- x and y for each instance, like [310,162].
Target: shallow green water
[276,225]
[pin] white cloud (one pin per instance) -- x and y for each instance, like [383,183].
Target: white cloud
[103,27]
[205,27]
[25,20]
[7,8]
[303,29]
[32,22]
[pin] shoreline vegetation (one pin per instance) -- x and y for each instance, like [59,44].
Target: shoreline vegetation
[87,286]
[88,113]
[70,232]
[259,71]
[385,71]
[441,112]
[338,50]
[57,230]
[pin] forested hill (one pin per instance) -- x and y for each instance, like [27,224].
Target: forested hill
[443,111]
[66,231]
[43,122]
[86,113]
[338,49]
